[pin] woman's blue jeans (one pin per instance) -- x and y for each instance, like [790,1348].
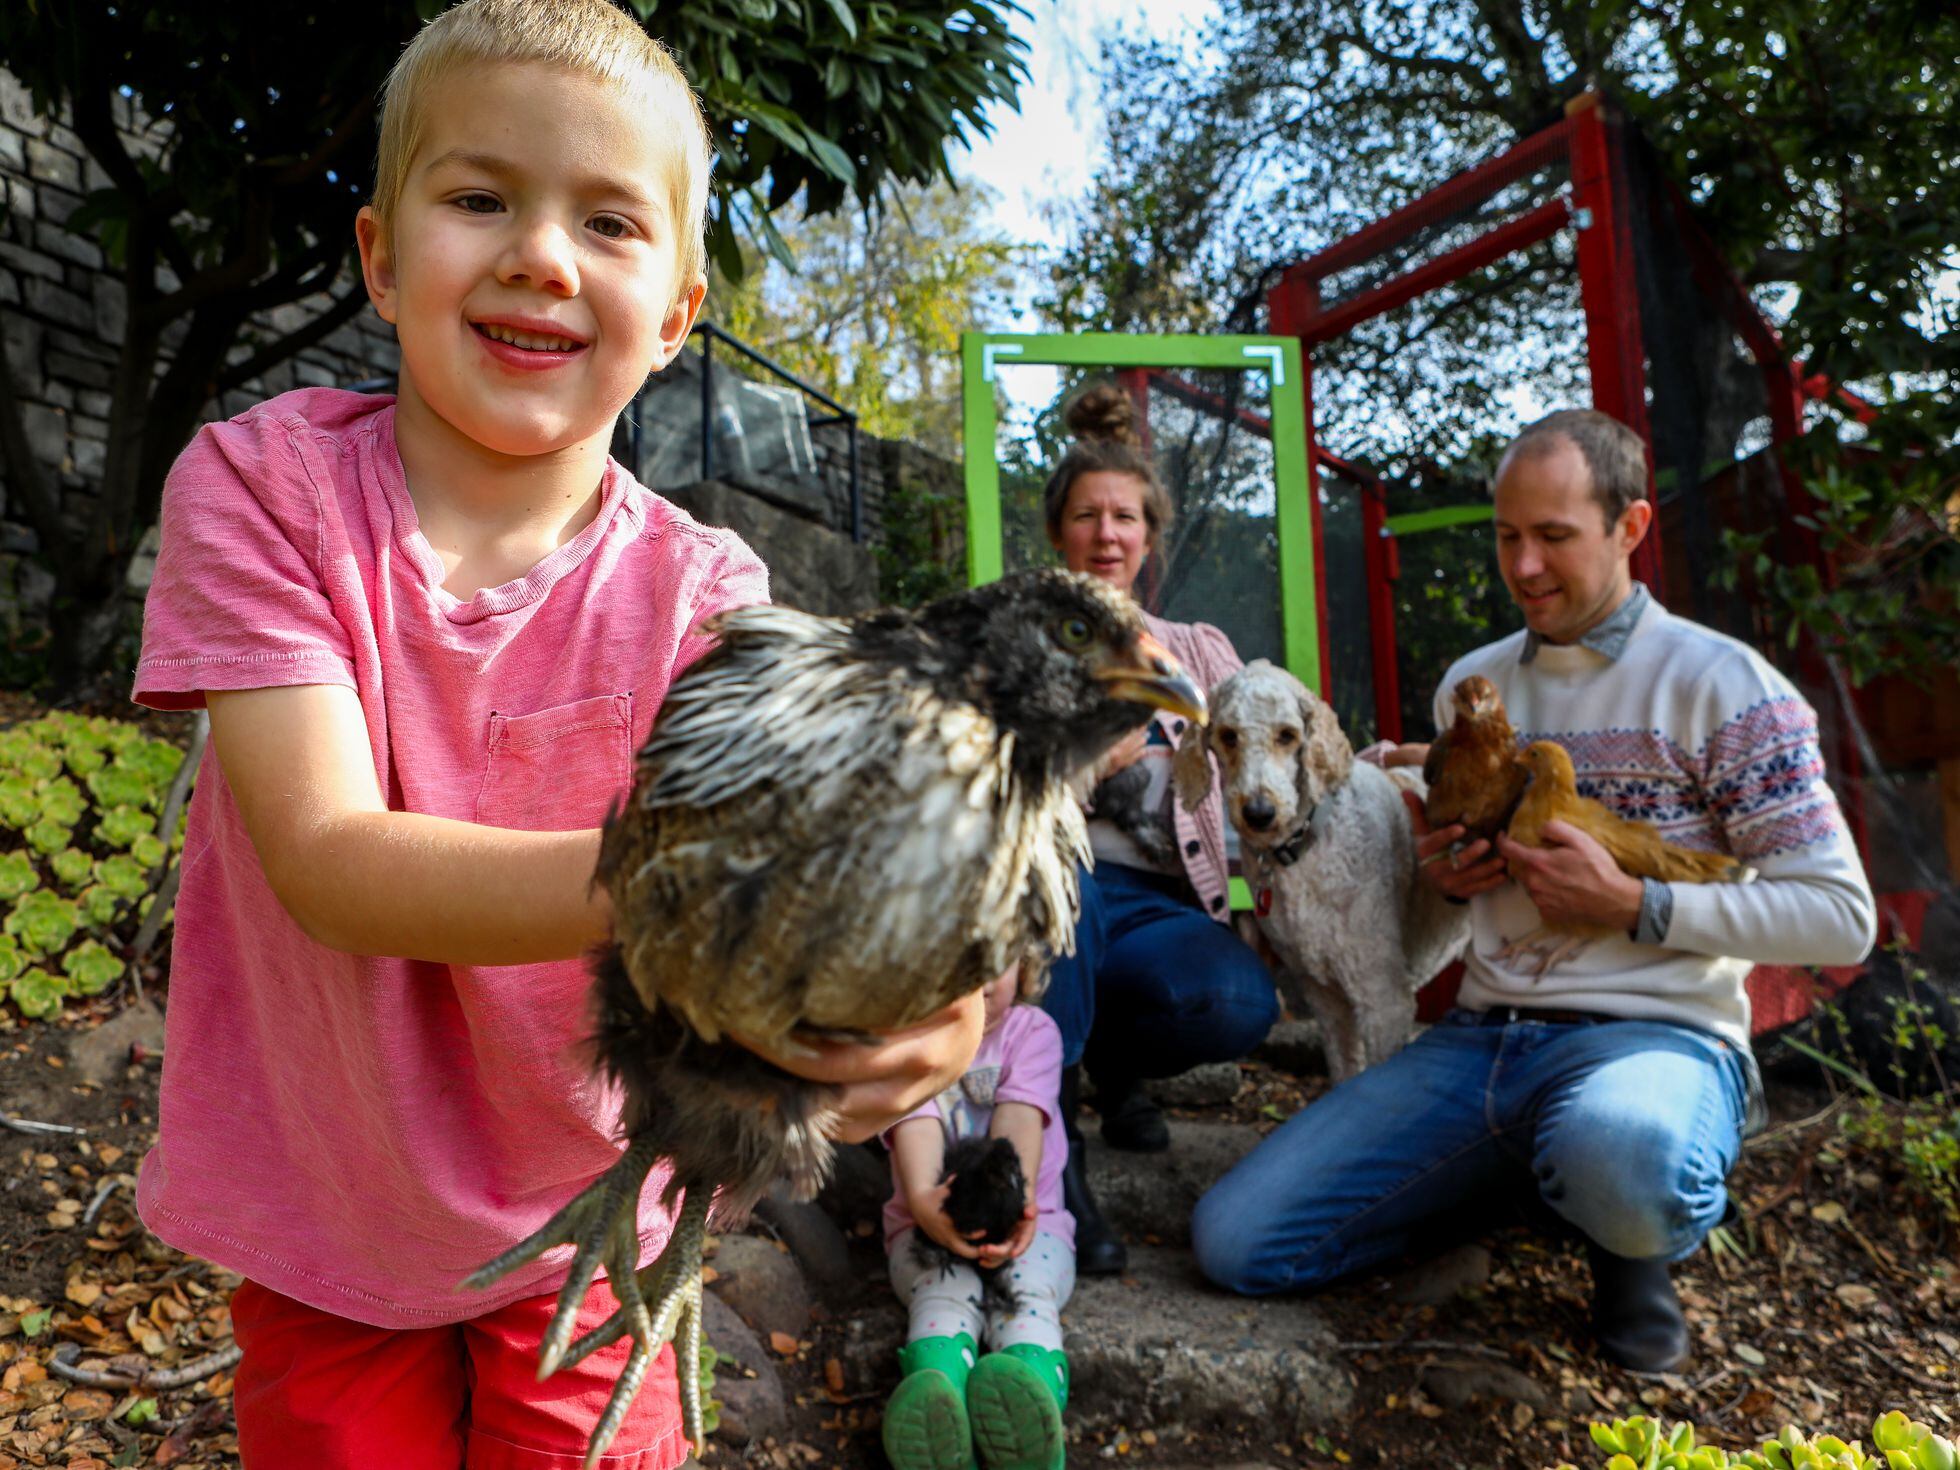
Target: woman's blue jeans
[1155,987]
[1626,1129]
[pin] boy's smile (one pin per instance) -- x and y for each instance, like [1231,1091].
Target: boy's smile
[530,266]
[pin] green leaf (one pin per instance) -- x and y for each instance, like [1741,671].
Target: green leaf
[119,785]
[92,967]
[149,850]
[38,995]
[17,876]
[122,825]
[123,876]
[98,905]
[48,836]
[40,764]
[33,1324]
[72,866]
[140,1412]
[842,10]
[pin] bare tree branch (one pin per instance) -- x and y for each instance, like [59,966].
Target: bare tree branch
[344,309]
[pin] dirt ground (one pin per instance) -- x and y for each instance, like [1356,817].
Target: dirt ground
[1839,1308]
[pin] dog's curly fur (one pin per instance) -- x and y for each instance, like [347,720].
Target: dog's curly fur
[1356,930]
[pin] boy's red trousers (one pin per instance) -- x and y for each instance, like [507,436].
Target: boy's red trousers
[318,1392]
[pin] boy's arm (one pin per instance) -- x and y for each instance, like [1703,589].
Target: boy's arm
[358,877]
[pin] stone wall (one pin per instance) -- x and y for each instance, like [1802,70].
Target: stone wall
[62,316]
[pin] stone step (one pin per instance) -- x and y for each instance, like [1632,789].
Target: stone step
[1160,1348]
[1150,1196]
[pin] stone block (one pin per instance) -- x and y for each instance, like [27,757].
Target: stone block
[47,432]
[810,567]
[111,304]
[13,150]
[50,165]
[89,457]
[77,249]
[1159,1346]
[20,199]
[59,304]
[17,107]
[100,1055]
[1294,1046]
[96,405]
[1152,1195]
[81,372]
[29,262]
[1212,1085]
[9,290]
[23,338]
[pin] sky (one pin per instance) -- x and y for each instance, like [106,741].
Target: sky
[1044,153]
[1042,156]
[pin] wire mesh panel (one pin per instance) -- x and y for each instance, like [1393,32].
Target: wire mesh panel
[1209,434]
[1350,623]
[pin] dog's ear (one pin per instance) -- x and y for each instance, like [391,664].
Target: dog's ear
[1328,755]
[1191,766]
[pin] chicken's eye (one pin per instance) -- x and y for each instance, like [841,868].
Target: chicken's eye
[1229,739]
[1074,633]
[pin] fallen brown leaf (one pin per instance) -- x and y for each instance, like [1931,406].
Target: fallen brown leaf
[783,1343]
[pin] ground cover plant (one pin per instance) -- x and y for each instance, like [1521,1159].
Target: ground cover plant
[85,802]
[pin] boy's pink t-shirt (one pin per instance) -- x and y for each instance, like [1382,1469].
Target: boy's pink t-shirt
[361,1133]
[1020,1060]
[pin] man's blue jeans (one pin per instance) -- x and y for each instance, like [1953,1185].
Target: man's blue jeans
[1155,987]
[1625,1128]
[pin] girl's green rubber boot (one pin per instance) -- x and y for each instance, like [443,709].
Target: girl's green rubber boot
[925,1418]
[1014,1402]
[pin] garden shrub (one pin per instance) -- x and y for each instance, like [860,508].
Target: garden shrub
[80,801]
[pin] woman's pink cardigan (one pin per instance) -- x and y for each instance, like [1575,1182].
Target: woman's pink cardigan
[1207,656]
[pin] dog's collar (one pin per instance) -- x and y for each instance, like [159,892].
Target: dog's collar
[1287,853]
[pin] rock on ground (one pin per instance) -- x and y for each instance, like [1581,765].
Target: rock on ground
[1212,1085]
[751,1408]
[1159,1346]
[1149,1197]
[762,1284]
[99,1056]
[1294,1046]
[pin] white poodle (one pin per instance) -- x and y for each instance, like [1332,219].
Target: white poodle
[1330,854]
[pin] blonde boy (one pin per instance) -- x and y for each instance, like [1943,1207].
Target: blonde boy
[431,631]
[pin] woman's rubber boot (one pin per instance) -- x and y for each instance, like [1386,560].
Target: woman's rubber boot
[1015,1408]
[1098,1250]
[925,1418]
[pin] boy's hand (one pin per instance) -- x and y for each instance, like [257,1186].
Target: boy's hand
[1574,880]
[878,1085]
[1000,1253]
[1458,875]
[929,1210]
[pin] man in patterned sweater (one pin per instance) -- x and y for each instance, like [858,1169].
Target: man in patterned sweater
[1617,1086]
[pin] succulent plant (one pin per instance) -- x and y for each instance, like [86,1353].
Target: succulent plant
[92,967]
[119,826]
[36,993]
[1901,1444]
[48,836]
[73,867]
[17,876]
[98,905]
[149,851]
[117,785]
[43,922]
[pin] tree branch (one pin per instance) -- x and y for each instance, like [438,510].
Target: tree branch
[344,309]
[96,127]
[24,475]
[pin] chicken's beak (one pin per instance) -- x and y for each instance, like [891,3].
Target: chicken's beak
[1155,678]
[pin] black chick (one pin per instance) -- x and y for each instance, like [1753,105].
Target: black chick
[837,827]
[986,1189]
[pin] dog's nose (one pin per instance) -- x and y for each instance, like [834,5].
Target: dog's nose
[1258,813]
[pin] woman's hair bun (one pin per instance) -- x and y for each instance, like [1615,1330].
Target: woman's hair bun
[1103,413]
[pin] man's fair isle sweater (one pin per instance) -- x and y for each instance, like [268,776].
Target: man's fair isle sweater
[1694,733]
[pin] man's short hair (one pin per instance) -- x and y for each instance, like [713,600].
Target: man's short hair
[1615,456]
[592,37]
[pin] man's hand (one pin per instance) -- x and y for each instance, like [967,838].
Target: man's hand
[1574,880]
[1459,875]
[878,1085]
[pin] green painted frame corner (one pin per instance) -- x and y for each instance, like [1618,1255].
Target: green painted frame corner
[981,353]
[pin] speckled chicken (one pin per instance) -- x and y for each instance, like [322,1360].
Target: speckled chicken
[837,827]
[1472,770]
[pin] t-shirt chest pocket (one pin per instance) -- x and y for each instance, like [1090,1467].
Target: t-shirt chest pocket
[560,769]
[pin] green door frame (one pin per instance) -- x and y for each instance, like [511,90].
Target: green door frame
[982,353]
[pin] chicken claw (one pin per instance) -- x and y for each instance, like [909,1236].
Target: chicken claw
[657,1304]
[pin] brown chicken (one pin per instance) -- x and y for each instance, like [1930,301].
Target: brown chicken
[1472,770]
[1553,795]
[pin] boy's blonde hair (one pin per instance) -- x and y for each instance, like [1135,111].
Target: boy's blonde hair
[589,36]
